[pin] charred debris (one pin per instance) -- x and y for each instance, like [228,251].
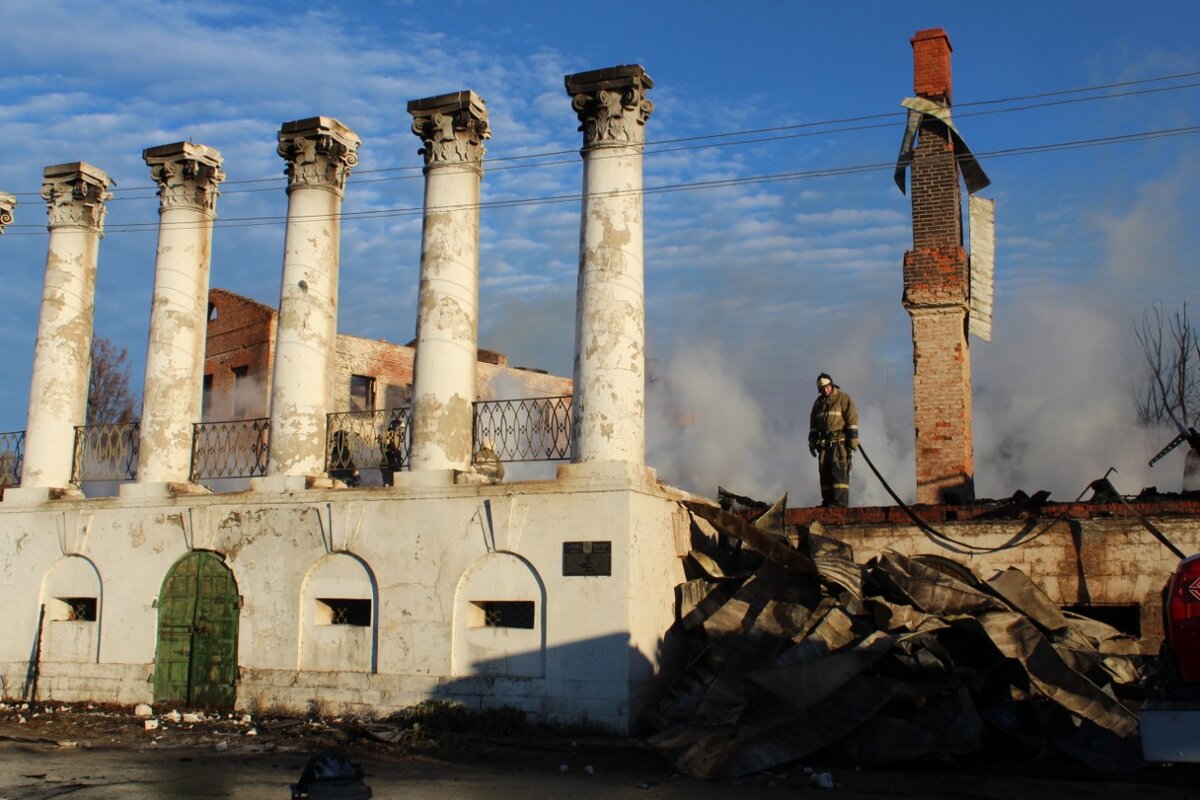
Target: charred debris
[798,651]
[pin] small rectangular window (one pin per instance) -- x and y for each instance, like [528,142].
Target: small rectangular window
[343,611]
[362,393]
[503,614]
[77,609]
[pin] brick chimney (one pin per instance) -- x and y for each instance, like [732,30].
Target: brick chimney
[931,64]
[936,294]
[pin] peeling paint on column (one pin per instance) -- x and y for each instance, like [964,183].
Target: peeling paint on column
[610,387]
[320,153]
[74,195]
[453,128]
[187,176]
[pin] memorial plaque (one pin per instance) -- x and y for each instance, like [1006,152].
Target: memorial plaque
[587,558]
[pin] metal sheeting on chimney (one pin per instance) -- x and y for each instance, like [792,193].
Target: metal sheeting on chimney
[982,214]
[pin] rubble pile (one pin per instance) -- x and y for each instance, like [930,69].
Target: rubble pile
[796,650]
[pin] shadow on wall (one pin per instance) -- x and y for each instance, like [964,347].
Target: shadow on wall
[602,681]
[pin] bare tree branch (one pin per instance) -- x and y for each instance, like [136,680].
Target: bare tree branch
[1171,348]
[109,397]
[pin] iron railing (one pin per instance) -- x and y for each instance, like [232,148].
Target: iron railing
[358,440]
[528,429]
[230,449]
[12,457]
[106,452]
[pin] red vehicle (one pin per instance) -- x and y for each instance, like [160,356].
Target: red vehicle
[1171,726]
[1181,621]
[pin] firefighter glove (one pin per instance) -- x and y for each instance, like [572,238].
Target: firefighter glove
[852,443]
[812,450]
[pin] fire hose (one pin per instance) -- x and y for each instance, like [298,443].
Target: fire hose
[952,544]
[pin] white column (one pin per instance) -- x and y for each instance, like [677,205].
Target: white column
[187,176]
[75,195]
[609,414]
[320,152]
[7,203]
[453,128]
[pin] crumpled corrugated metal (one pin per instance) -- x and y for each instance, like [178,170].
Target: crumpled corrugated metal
[797,649]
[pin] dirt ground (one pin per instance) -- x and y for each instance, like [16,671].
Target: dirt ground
[94,753]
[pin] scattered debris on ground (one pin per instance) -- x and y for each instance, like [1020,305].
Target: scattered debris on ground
[798,651]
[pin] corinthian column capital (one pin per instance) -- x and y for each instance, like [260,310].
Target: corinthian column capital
[187,175]
[611,104]
[75,195]
[453,127]
[320,152]
[7,203]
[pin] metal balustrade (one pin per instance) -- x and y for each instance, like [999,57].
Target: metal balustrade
[361,440]
[230,449]
[528,429]
[12,458]
[106,452]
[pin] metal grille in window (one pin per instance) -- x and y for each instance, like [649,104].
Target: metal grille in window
[80,609]
[348,612]
[507,613]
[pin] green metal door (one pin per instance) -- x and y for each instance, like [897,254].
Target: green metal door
[196,662]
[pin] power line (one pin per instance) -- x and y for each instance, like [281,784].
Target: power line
[661,145]
[780,177]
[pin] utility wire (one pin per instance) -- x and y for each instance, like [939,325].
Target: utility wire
[824,172]
[661,145]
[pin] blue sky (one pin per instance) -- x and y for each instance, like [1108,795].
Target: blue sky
[753,287]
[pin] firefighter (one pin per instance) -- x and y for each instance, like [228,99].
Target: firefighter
[832,437]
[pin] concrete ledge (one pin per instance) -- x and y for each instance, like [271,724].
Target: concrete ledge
[36,495]
[624,473]
[290,484]
[162,490]
[425,478]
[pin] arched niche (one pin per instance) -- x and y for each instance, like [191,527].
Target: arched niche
[73,597]
[339,616]
[500,619]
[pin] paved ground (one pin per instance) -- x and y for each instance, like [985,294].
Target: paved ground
[101,755]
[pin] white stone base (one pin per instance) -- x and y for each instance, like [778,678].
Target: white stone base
[417,479]
[161,490]
[624,473]
[36,495]
[290,484]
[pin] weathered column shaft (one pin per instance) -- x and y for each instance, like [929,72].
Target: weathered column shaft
[320,152]
[187,176]
[75,195]
[610,377]
[453,128]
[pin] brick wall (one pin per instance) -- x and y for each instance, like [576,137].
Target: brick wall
[936,295]
[1096,555]
[391,365]
[241,337]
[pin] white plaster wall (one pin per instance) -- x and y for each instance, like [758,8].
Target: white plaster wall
[416,545]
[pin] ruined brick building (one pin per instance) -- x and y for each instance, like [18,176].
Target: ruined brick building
[368,374]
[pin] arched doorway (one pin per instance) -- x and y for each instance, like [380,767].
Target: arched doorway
[196,661]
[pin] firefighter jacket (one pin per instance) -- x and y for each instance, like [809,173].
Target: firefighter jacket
[833,420]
